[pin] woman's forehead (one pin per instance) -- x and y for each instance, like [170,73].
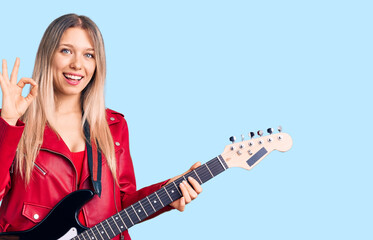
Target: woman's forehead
[78,38]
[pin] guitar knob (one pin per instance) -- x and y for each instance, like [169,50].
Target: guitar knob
[279,128]
[232,139]
[251,134]
[260,133]
[270,130]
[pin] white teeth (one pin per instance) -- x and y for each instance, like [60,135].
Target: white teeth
[73,77]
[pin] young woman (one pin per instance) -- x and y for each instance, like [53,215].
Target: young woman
[43,148]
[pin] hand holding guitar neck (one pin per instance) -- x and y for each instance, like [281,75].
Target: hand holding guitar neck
[190,189]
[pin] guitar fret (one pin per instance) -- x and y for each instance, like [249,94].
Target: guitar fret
[221,162]
[128,216]
[201,173]
[133,215]
[197,176]
[83,235]
[209,170]
[147,206]
[122,221]
[159,199]
[136,213]
[88,235]
[86,232]
[116,224]
[217,166]
[110,227]
[168,194]
[177,188]
[98,231]
[126,219]
[156,201]
[143,209]
[103,227]
[93,234]
[165,197]
[173,191]
[151,204]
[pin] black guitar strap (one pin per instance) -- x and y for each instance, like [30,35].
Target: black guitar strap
[94,160]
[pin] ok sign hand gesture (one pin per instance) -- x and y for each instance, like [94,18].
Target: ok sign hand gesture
[14,104]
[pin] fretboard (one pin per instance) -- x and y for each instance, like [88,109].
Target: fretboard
[154,202]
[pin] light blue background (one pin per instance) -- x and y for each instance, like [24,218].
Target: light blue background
[189,74]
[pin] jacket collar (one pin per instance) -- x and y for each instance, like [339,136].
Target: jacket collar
[53,142]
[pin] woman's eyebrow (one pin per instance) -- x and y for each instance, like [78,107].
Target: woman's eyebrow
[66,44]
[69,45]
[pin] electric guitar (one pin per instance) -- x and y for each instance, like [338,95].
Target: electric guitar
[62,222]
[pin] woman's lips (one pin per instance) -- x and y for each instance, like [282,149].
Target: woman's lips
[72,79]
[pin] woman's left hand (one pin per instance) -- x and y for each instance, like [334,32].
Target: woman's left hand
[189,190]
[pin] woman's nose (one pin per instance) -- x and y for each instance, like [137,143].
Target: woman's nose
[76,63]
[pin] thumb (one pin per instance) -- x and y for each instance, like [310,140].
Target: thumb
[194,166]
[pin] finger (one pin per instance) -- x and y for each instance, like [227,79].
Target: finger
[185,192]
[5,70]
[182,204]
[13,75]
[22,83]
[34,90]
[1,80]
[32,94]
[191,191]
[196,186]
[194,166]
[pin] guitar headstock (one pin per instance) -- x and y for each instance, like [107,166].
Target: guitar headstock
[247,154]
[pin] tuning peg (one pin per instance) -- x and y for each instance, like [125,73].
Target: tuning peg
[232,139]
[279,128]
[270,130]
[251,134]
[260,133]
[242,137]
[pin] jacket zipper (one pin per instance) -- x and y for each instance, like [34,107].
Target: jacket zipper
[40,169]
[76,175]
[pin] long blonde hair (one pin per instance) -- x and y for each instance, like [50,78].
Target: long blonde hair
[41,110]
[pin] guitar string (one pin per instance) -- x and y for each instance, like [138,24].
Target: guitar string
[207,174]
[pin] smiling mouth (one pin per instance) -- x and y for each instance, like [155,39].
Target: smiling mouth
[73,77]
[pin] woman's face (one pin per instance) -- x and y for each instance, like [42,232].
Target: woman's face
[73,62]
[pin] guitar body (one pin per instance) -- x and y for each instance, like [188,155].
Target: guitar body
[60,224]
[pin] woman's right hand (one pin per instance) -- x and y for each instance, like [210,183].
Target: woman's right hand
[14,104]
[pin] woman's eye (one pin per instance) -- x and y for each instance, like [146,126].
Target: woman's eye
[89,55]
[65,51]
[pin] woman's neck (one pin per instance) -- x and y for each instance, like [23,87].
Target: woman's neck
[68,104]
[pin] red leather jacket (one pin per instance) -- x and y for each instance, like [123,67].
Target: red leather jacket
[54,176]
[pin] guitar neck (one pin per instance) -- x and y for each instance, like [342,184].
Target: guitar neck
[154,202]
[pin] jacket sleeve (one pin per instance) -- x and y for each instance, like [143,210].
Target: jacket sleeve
[127,181]
[9,139]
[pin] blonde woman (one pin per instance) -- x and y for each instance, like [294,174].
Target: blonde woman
[49,137]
